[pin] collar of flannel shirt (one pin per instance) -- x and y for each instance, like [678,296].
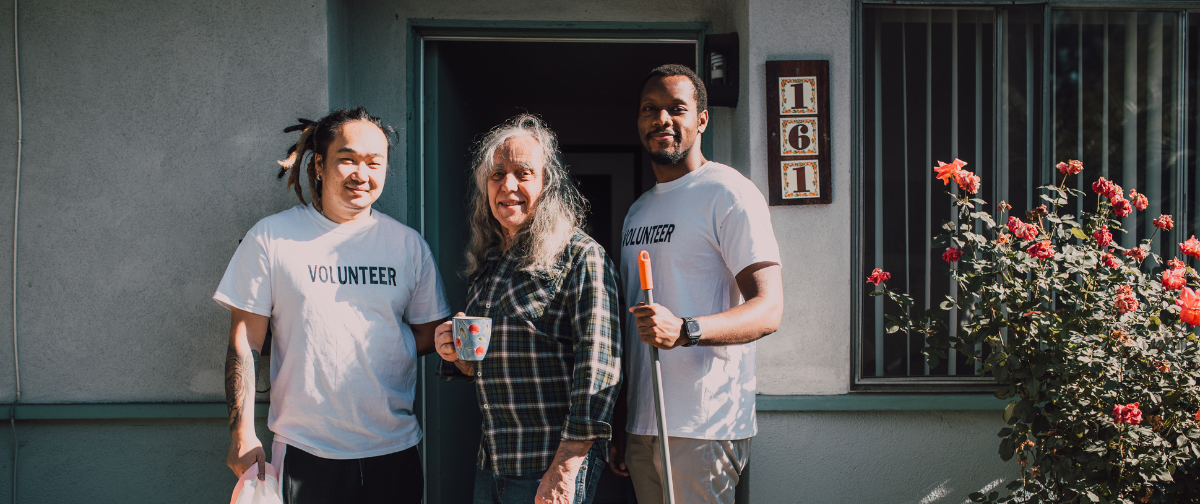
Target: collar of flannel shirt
[555,340]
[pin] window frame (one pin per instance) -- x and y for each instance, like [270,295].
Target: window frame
[946,384]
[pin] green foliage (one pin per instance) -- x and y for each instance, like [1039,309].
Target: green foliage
[1065,356]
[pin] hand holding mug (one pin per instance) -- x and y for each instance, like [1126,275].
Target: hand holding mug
[443,339]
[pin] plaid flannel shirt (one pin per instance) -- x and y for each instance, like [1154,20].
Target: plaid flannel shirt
[553,366]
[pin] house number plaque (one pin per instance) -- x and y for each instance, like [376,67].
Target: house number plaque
[798,132]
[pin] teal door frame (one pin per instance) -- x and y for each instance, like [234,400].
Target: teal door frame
[526,31]
[422,162]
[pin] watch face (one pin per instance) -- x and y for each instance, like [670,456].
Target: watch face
[693,328]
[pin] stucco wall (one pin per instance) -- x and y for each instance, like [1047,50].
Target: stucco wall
[811,352]
[120,461]
[897,457]
[151,130]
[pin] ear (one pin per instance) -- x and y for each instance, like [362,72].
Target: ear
[319,162]
[702,121]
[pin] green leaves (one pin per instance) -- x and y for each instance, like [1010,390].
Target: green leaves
[1050,333]
[1008,412]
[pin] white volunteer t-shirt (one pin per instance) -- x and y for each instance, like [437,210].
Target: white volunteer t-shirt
[340,298]
[700,230]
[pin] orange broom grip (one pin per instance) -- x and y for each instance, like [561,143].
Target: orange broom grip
[644,270]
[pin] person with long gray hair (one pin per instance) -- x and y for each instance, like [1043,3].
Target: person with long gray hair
[548,382]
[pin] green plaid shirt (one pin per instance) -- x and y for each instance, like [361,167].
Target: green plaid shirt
[554,361]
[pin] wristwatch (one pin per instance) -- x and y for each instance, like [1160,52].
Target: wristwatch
[691,331]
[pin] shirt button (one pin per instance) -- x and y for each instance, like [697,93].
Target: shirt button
[479,373]
[487,305]
[485,406]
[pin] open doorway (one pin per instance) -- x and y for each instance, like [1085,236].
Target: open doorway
[587,91]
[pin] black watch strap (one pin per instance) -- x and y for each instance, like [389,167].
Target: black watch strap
[691,331]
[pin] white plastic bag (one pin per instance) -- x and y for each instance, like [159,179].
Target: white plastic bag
[250,490]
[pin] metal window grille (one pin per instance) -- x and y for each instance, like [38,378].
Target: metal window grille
[1011,90]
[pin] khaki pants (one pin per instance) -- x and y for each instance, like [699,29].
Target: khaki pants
[704,470]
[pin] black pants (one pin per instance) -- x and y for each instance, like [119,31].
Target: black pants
[392,478]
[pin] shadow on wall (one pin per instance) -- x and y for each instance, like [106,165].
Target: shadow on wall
[918,457]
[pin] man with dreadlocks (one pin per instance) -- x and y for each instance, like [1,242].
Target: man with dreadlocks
[353,298]
[547,385]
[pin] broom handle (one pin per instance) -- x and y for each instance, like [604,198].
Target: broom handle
[661,410]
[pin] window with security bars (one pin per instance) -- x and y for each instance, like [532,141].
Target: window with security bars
[1011,90]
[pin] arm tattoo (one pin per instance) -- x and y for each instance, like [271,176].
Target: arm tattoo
[239,383]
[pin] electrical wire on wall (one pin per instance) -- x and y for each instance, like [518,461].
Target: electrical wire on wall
[12,413]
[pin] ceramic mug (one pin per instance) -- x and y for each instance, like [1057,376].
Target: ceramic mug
[472,335]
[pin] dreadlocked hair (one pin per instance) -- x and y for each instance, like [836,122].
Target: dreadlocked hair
[315,137]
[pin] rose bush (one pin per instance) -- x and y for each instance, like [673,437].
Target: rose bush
[1096,353]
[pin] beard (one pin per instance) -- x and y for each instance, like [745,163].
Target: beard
[666,157]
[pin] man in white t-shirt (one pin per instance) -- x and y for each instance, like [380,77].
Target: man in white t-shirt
[353,298]
[717,287]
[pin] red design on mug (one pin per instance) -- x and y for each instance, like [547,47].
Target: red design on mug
[474,328]
[479,351]
[457,342]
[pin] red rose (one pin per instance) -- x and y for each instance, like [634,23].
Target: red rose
[878,276]
[1191,247]
[1070,168]
[1102,236]
[1121,206]
[1164,222]
[1111,262]
[1174,278]
[1126,300]
[1189,304]
[1138,200]
[1003,206]
[948,172]
[1137,253]
[1104,187]
[1174,263]
[1002,239]
[952,254]
[1198,415]
[1128,413]
[1041,250]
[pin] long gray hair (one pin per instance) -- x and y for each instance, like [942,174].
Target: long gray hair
[560,209]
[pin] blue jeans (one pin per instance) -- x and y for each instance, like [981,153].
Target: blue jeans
[493,489]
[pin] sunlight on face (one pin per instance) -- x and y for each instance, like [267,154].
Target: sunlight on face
[515,183]
[353,169]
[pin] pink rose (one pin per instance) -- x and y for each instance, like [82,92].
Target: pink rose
[1164,222]
[1127,413]
[1126,300]
[1121,206]
[1138,200]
